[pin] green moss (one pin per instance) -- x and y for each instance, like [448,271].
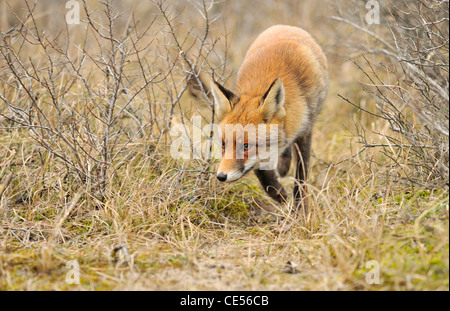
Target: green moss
[177,261]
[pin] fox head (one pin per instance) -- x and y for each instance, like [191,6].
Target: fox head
[245,121]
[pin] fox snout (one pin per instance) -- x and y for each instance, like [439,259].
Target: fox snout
[230,170]
[221,176]
[233,169]
[232,176]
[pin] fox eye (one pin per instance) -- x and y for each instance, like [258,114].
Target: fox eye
[223,145]
[246,147]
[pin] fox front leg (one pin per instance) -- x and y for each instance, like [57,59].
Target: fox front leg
[271,185]
[303,154]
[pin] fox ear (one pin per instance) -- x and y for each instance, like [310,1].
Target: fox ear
[273,101]
[198,86]
[222,99]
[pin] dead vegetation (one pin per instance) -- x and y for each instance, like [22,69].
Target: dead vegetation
[86,172]
[406,71]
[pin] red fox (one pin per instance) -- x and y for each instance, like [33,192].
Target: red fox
[283,80]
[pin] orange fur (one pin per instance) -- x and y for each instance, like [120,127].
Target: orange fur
[285,52]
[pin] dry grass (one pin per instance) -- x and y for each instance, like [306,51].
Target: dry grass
[183,230]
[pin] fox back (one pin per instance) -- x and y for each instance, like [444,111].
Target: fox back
[290,54]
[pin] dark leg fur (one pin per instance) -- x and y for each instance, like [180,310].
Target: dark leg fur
[301,174]
[270,183]
[284,162]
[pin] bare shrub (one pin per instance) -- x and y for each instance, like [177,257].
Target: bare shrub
[196,56]
[86,96]
[406,65]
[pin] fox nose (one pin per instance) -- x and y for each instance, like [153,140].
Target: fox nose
[222,176]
